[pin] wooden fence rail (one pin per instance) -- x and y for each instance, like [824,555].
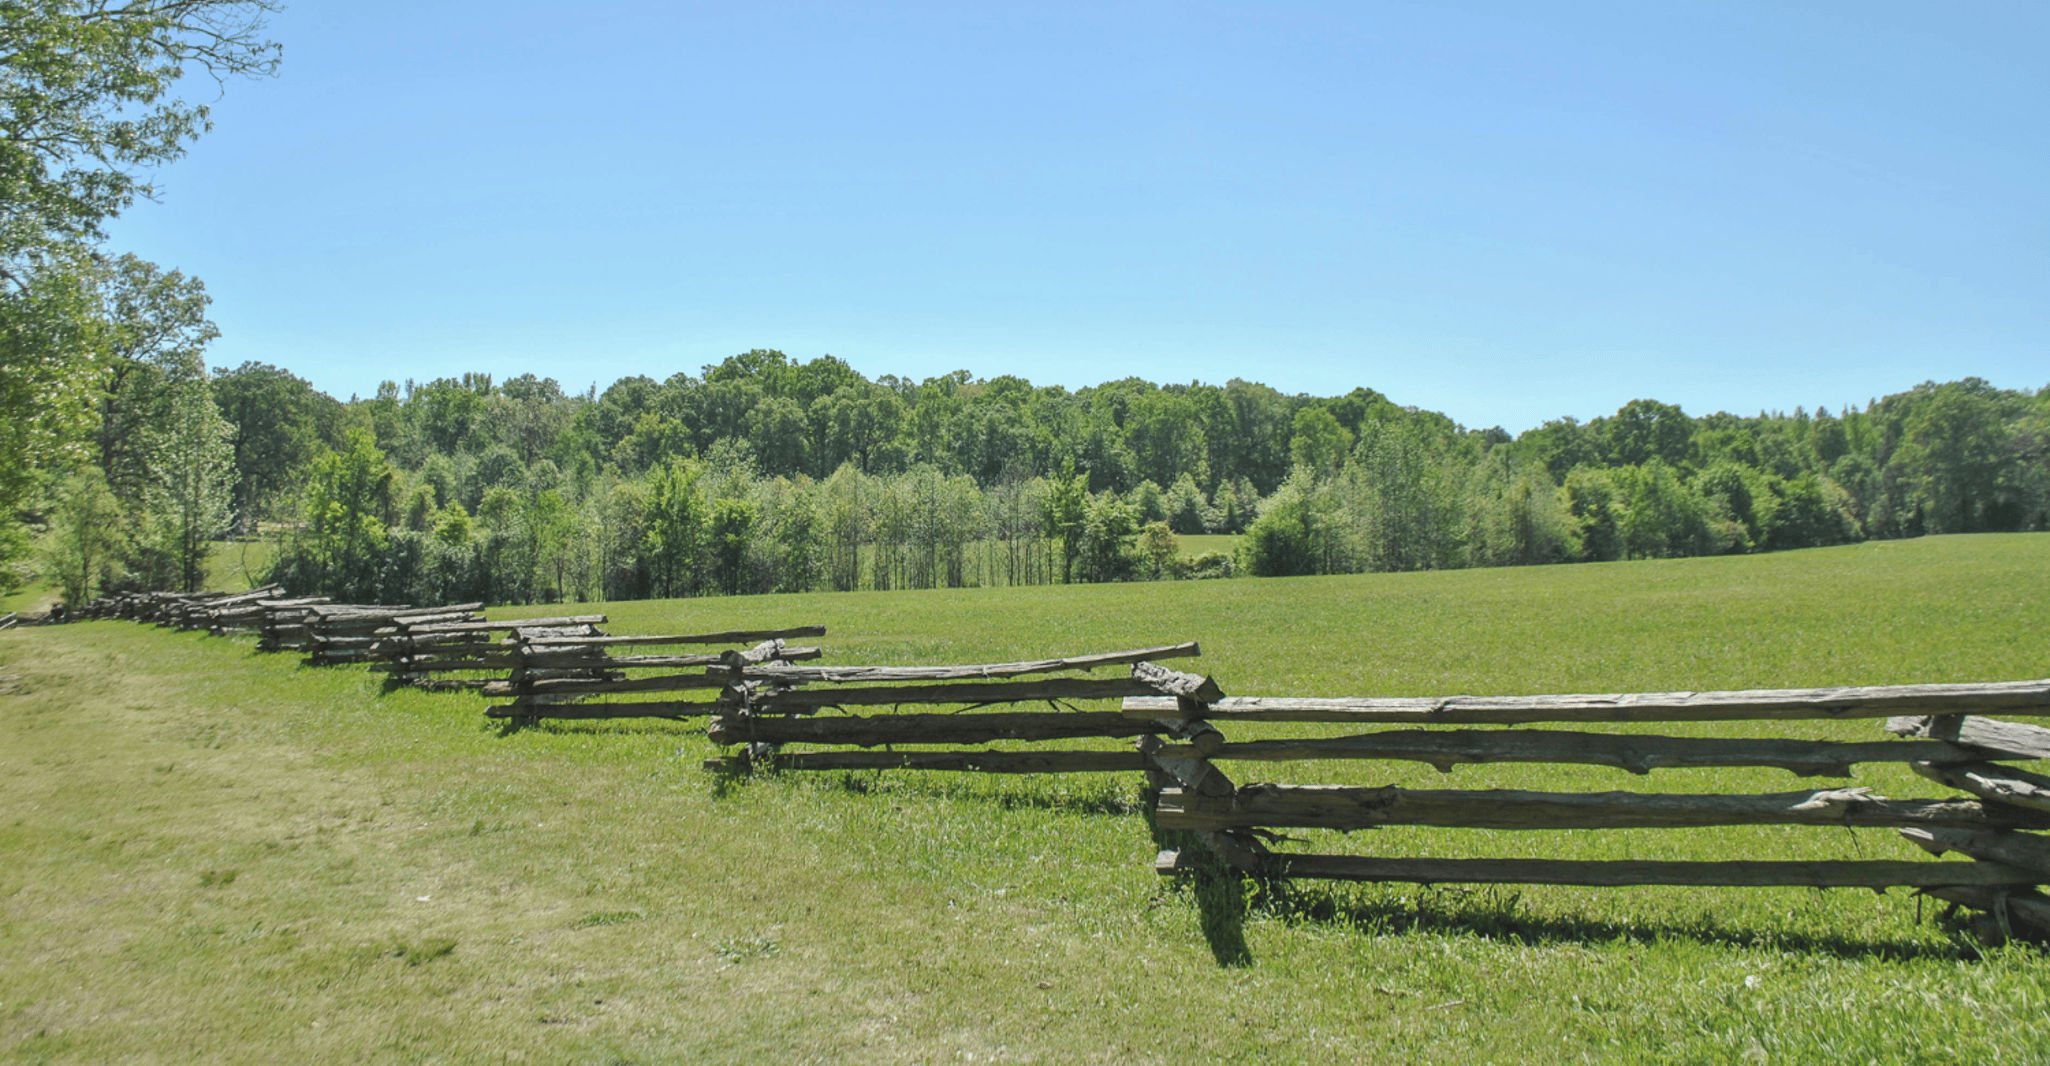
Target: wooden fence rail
[2027,698]
[1946,739]
[570,675]
[344,634]
[429,651]
[773,704]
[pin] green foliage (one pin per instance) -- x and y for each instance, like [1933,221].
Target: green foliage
[280,424]
[676,520]
[1066,511]
[1662,518]
[955,481]
[1517,517]
[83,547]
[83,109]
[732,526]
[153,336]
[340,547]
[1160,550]
[50,360]
[1108,533]
[90,342]
[1319,443]
[1592,499]
[192,467]
[1283,541]
[1644,430]
[1954,445]
[1403,498]
[1184,505]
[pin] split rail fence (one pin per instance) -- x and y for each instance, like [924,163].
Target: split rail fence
[774,704]
[762,693]
[1949,741]
[567,675]
[429,651]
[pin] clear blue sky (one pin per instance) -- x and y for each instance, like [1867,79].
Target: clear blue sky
[1506,212]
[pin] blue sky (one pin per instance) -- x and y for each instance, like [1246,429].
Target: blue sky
[1506,212]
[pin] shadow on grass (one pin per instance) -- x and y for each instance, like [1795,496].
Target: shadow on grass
[1092,798]
[1493,914]
[1219,891]
[436,688]
[729,777]
[628,727]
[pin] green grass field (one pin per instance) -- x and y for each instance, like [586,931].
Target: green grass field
[238,565]
[1199,543]
[233,566]
[216,854]
[33,596]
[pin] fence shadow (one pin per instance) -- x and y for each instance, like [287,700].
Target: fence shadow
[1494,914]
[632,727]
[1219,892]
[1106,798]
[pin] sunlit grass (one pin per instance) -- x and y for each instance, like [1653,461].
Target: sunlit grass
[215,854]
[1195,544]
[238,565]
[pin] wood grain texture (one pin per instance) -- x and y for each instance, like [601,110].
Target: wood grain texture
[1987,845]
[2010,697]
[878,730]
[807,700]
[1991,781]
[853,674]
[577,686]
[1877,873]
[988,762]
[1636,753]
[737,636]
[2027,910]
[1992,737]
[1352,807]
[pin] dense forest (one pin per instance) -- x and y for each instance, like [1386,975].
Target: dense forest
[765,474]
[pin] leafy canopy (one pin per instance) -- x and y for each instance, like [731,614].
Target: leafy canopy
[86,108]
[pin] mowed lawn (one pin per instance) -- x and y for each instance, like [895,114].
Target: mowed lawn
[215,854]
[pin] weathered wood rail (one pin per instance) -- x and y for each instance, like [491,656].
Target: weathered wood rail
[773,704]
[431,651]
[2027,698]
[1946,738]
[254,616]
[566,674]
[340,634]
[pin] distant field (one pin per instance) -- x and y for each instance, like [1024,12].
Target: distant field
[216,854]
[238,565]
[233,566]
[33,596]
[1198,544]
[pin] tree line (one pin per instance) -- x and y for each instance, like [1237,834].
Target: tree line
[767,474]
